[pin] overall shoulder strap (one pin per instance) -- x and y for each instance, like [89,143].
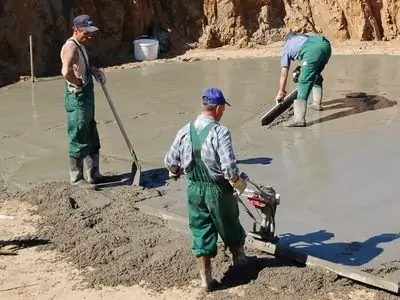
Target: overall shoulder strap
[204,133]
[197,140]
[84,57]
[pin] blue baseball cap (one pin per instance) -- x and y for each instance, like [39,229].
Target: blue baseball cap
[214,96]
[84,22]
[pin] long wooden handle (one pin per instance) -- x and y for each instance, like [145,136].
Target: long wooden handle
[31,57]
[114,111]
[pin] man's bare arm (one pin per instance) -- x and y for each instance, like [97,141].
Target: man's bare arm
[283,79]
[70,57]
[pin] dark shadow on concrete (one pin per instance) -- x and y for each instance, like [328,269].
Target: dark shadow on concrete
[351,254]
[255,161]
[154,178]
[114,181]
[236,276]
[24,242]
[358,102]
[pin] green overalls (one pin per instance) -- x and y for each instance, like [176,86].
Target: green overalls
[212,207]
[82,129]
[315,54]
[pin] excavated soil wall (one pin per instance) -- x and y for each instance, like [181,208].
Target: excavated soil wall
[201,24]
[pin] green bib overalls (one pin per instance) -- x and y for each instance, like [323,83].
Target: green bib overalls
[81,125]
[212,207]
[314,54]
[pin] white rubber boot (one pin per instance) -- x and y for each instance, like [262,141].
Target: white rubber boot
[93,175]
[299,118]
[317,92]
[207,282]
[75,170]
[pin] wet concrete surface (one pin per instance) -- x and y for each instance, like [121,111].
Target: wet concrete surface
[337,178]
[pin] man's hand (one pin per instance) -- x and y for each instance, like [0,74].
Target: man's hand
[98,75]
[240,184]
[79,83]
[281,95]
[296,74]
[174,173]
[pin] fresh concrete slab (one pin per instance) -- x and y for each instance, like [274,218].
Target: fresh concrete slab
[337,178]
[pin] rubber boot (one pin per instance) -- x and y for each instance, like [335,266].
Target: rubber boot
[317,92]
[75,170]
[299,118]
[238,256]
[93,175]
[208,284]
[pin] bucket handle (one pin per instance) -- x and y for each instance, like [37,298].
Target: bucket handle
[143,36]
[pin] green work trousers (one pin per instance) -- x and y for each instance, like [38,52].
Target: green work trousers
[314,54]
[212,207]
[81,125]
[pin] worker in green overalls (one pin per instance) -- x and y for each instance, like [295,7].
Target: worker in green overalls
[203,150]
[84,143]
[314,51]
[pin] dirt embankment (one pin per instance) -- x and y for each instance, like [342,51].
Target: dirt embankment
[112,243]
[194,24]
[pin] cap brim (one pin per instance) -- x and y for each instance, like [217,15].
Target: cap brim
[227,103]
[91,28]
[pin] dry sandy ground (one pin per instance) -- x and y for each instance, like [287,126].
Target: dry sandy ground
[391,47]
[227,52]
[46,274]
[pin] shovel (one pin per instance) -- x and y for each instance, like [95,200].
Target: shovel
[136,168]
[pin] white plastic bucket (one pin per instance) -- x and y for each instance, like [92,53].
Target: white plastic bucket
[145,49]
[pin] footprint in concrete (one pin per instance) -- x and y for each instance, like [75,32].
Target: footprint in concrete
[142,115]
[106,122]
[55,127]
[6,158]
[7,136]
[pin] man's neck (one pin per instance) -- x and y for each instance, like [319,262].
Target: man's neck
[76,39]
[208,115]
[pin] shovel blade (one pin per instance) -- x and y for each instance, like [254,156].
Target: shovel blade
[136,171]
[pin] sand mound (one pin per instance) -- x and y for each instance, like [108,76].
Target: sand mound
[113,243]
[110,239]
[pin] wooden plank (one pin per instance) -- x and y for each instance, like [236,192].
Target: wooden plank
[31,58]
[309,260]
[278,109]
[8,252]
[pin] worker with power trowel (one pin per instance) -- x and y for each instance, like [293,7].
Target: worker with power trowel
[84,143]
[314,51]
[203,150]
